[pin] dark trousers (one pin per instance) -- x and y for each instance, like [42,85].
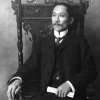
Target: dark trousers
[49,96]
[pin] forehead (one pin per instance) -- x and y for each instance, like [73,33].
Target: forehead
[60,9]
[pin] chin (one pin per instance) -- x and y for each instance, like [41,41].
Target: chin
[57,29]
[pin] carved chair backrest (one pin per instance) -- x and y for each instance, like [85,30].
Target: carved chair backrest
[36,19]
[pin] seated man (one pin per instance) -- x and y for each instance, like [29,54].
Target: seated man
[65,59]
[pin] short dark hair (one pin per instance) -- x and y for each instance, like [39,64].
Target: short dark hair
[69,8]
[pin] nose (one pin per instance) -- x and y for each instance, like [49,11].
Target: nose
[57,19]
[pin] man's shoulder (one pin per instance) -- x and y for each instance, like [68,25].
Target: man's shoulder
[78,37]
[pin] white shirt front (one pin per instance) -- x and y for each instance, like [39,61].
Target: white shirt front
[60,35]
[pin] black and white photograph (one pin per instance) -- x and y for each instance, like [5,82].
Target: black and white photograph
[49,49]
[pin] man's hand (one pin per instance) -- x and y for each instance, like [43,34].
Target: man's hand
[13,88]
[63,90]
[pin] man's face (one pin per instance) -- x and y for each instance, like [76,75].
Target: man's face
[60,18]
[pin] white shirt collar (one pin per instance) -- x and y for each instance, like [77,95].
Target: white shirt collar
[63,33]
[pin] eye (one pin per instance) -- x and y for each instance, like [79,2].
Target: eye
[53,15]
[62,15]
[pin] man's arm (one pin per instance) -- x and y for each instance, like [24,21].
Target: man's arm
[14,84]
[30,65]
[88,69]
[86,75]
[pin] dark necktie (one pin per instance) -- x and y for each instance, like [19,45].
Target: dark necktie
[58,39]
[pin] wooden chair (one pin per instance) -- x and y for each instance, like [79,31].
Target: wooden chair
[36,19]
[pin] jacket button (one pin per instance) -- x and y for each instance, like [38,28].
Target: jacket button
[57,78]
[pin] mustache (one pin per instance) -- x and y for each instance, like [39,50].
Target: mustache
[55,24]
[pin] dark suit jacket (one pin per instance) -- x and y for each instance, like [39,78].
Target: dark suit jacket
[75,60]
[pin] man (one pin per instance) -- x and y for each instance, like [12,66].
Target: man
[66,65]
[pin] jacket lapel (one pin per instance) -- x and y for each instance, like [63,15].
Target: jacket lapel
[67,41]
[50,42]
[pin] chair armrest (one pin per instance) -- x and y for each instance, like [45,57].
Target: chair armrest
[31,87]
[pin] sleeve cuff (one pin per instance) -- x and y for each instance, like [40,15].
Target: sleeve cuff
[14,78]
[72,87]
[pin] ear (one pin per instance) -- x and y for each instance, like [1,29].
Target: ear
[71,20]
